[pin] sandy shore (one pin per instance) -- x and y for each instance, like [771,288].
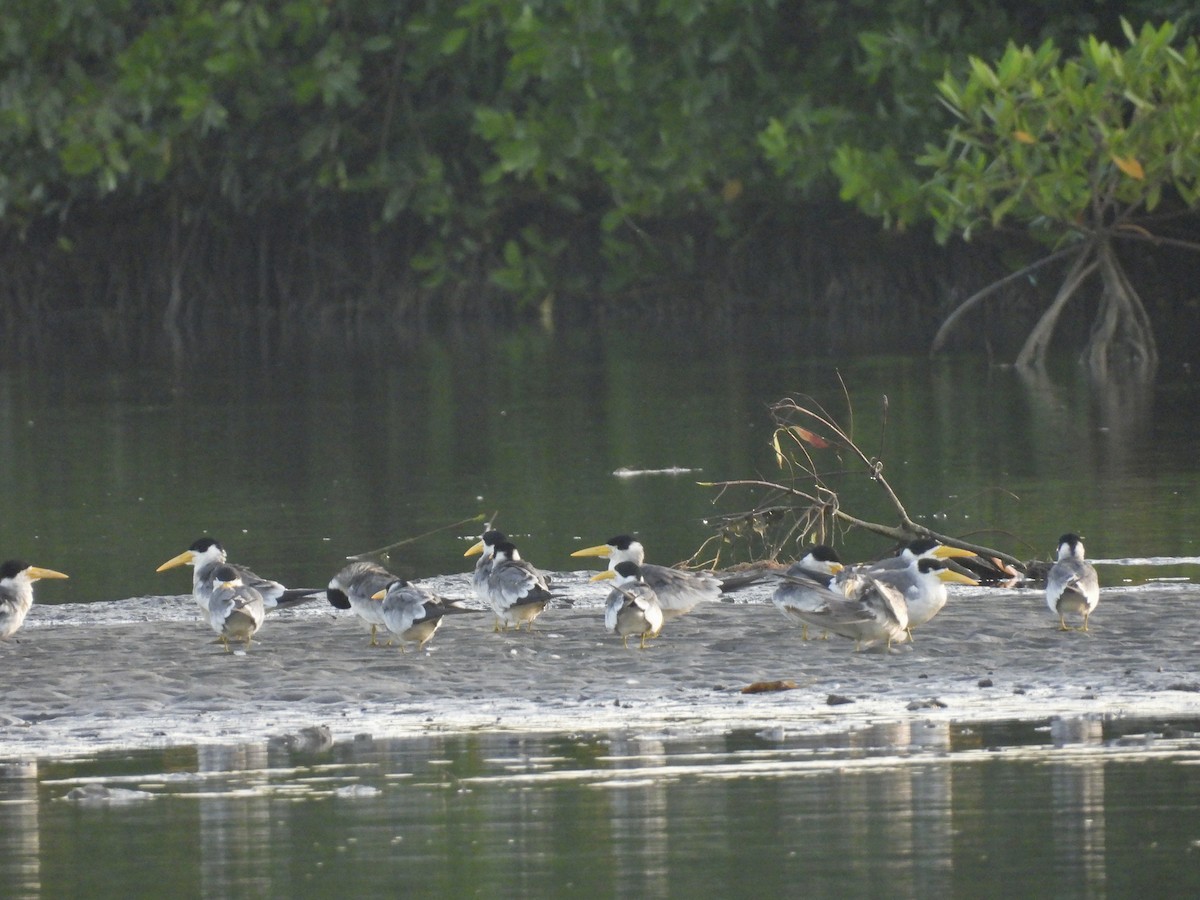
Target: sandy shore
[144,672]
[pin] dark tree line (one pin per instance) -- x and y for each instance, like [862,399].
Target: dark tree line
[428,156]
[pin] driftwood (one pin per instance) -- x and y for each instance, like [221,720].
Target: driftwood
[806,506]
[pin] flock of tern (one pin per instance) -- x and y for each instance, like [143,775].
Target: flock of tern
[877,603]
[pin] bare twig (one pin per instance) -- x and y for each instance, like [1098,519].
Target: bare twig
[1134,233]
[793,512]
[412,540]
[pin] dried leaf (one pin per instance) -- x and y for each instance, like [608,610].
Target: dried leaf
[1130,166]
[1024,137]
[809,437]
[762,687]
[1004,567]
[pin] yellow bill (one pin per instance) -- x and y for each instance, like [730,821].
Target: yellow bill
[949,575]
[942,551]
[181,560]
[602,550]
[35,573]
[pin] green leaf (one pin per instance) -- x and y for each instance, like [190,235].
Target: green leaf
[452,41]
[984,73]
[378,43]
[81,158]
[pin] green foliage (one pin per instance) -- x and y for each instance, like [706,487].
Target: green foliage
[621,119]
[520,146]
[1069,145]
[869,113]
[865,107]
[481,126]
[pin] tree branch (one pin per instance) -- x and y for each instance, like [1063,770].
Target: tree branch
[1034,352]
[979,296]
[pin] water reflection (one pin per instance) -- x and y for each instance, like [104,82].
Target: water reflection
[236,826]
[104,451]
[1079,412]
[925,808]
[1077,802]
[639,820]
[893,821]
[20,853]
[1077,798]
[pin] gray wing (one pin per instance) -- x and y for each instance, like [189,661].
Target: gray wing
[220,607]
[362,580]
[226,602]
[408,605]
[839,615]
[864,605]
[612,608]
[799,591]
[638,599]
[402,607]
[642,596]
[513,582]
[799,570]
[1072,575]
[479,580]
[359,581]
[250,602]
[270,590]
[679,591]
[639,595]
[872,569]
[884,600]
[900,577]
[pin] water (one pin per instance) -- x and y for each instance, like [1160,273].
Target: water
[1063,808]
[296,453]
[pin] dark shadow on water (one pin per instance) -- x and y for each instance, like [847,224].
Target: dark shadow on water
[1069,406]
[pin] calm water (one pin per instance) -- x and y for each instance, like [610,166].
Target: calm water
[1066,808]
[297,452]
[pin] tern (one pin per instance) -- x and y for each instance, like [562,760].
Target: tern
[486,548]
[235,609]
[413,612]
[922,581]
[353,587]
[678,591]
[517,592]
[206,555]
[632,606]
[1072,585]
[867,610]
[807,582]
[16,593]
